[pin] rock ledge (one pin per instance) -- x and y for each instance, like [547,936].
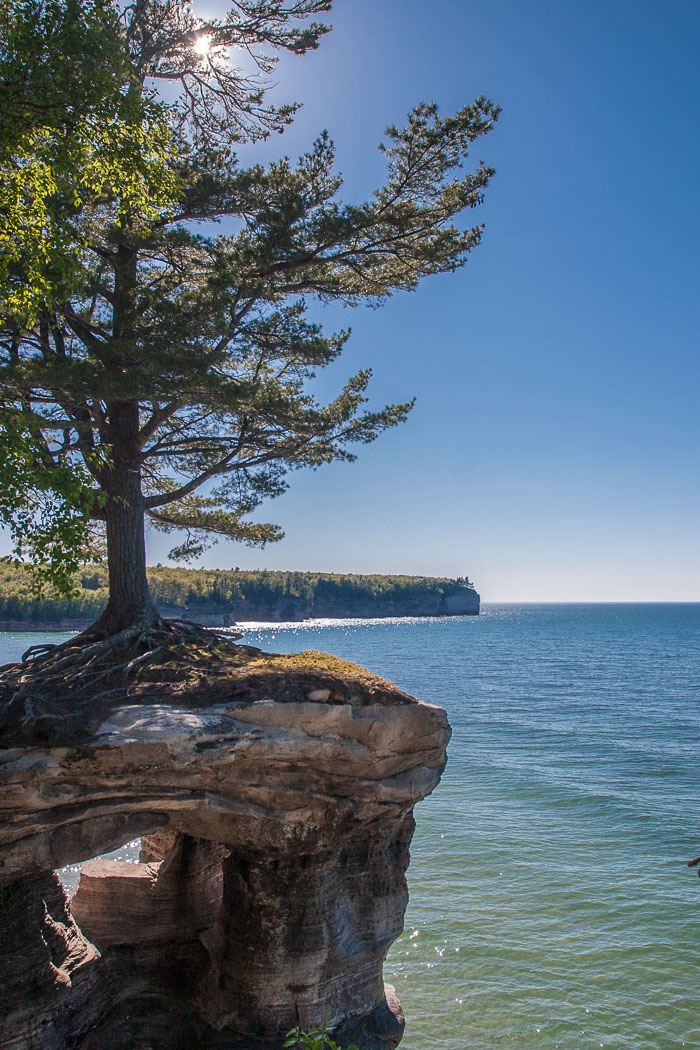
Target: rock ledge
[276,808]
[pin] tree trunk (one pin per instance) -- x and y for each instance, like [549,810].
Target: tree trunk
[130,603]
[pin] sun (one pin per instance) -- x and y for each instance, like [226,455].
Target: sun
[202,45]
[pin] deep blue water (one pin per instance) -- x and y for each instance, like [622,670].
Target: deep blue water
[551,905]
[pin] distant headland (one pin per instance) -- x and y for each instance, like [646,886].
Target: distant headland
[224,597]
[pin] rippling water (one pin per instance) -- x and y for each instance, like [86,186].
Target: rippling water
[551,905]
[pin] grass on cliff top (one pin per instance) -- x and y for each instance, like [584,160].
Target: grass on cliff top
[246,659]
[315,660]
[284,676]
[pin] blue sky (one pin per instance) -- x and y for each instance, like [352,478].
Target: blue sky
[553,451]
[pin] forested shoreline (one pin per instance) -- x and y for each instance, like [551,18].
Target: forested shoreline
[207,591]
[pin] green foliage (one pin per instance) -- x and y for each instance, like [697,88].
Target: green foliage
[140,345]
[73,133]
[314,1039]
[47,504]
[72,136]
[19,601]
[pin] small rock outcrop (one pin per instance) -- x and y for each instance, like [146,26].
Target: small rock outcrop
[276,813]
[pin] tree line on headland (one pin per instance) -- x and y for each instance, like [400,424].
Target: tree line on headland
[196,589]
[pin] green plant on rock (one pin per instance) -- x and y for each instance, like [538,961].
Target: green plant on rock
[314,1039]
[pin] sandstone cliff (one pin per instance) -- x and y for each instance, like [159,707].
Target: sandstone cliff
[276,809]
[465,602]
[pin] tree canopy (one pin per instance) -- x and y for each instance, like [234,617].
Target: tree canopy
[74,126]
[166,369]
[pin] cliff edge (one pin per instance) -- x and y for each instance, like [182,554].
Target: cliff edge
[465,602]
[276,808]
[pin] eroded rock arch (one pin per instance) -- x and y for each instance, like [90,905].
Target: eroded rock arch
[276,815]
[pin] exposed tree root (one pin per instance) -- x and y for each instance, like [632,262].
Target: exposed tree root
[131,662]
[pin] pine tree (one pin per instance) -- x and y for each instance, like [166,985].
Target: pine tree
[171,378]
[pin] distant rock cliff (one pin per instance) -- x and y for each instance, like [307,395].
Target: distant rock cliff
[274,608]
[465,602]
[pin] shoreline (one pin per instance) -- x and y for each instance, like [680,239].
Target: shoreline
[223,621]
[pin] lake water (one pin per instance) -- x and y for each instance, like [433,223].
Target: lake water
[551,905]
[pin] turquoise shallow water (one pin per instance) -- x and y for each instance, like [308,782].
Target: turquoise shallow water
[551,905]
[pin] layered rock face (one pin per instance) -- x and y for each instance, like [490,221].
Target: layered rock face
[464,602]
[276,810]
